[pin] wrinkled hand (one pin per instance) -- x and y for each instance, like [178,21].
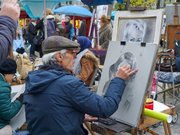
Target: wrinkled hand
[11,9]
[89,118]
[125,72]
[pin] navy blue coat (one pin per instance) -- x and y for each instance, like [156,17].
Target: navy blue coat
[7,34]
[56,102]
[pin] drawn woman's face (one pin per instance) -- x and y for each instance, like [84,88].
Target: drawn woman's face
[134,31]
[127,59]
[124,62]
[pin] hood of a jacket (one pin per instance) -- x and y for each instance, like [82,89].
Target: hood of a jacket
[38,81]
[90,55]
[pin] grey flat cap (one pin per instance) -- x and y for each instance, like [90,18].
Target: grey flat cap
[57,43]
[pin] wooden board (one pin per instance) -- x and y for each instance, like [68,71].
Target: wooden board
[171,35]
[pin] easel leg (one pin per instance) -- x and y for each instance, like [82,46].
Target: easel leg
[88,126]
[134,131]
[141,132]
[167,129]
[151,132]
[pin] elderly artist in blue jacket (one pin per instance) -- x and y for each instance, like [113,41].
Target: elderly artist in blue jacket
[56,101]
[9,14]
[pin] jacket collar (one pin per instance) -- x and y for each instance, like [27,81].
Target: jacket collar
[2,77]
[54,66]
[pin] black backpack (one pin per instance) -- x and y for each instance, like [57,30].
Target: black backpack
[51,27]
[177,48]
[38,39]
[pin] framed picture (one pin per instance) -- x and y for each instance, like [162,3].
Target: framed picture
[101,10]
[141,26]
[135,55]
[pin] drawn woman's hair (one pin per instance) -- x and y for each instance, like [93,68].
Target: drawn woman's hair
[135,31]
[125,59]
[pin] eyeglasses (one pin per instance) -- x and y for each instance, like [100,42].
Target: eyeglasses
[73,51]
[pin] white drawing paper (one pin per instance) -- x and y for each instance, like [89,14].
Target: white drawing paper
[137,57]
[19,119]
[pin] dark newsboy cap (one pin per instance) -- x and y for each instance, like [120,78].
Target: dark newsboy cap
[57,43]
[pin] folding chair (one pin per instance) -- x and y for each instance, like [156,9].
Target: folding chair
[168,77]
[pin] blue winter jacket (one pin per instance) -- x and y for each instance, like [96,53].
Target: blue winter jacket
[7,34]
[56,102]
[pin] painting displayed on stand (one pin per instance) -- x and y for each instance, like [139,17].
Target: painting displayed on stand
[135,30]
[142,26]
[136,56]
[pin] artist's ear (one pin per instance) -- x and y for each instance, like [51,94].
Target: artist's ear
[59,57]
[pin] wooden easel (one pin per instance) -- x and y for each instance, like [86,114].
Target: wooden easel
[146,122]
[143,126]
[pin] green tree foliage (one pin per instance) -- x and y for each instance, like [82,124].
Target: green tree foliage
[120,6]
[136,3]
[149,4]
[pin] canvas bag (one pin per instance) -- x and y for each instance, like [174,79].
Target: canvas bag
[24,65]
